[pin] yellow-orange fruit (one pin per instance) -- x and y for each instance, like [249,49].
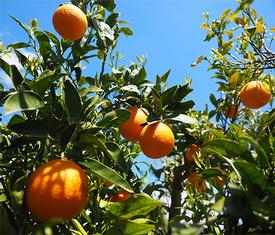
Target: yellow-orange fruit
[194,179]
[57,190]
[156,140]
[108,183]
[70,22]
[131,129]
[120,196]
[232,112]
[255,95]
[219,180]
[191,150]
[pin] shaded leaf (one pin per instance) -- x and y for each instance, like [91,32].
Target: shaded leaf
[137,204]
[107,173]
[72,101]
[22,101]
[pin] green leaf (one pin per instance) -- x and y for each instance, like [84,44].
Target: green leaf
[90,89]
[107,173]
[3,197]
[117,155]
[18,45]
[22,101]
[72,101]
[31,128]
[226,47]
[229,148]
[13,72]
[164,77]
[114,118]
[140,77]
[137,204]
[130,228]
[200,59]
[250,173]
[185,119]
[211,172]
[261,155]
[24,27]
[218,206]
[108,4]
[44,44]
[44,81]
[67,135]
[126,31]
[112,19]
[225,15]
[79,227]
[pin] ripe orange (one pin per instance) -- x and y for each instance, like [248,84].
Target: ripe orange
[120,196]
[219,180]
[232,112]
[156,140]
[255,95]
[70,22]
[57,190]
[131,129]
[194,179]
[191,150]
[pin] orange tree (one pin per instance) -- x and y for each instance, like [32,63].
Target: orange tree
[60,116]
[60,112]
[226,184]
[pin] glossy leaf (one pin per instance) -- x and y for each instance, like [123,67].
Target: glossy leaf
[137,204]
[230,148]
[130,228]
[72,101]
[22,101]
[107,173]
[250,173]
[13,72]
[114,118]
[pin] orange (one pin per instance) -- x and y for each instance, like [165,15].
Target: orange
[231,112]
[131,129]
[219,180]
[107,183]
[194,179]
[156,140]
[57,190]
[255,95]
[191,150]
[70,22]
[120,196]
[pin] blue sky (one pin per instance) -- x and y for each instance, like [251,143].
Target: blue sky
[167,31]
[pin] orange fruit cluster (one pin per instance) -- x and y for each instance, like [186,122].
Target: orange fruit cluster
[57,190]
[255,95]
[70,22]
[156,139]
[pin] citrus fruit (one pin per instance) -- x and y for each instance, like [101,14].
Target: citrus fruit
[70,22]
[219,180]
[194,179]
[131,129]
[232,112]
[156,140]
[120,196]
[255,95]
[57,190]
[191,150]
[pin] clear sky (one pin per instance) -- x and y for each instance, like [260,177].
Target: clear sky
[167,31]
